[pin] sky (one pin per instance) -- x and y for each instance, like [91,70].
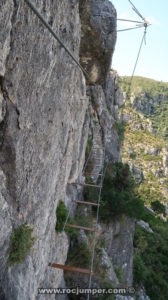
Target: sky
[153,61]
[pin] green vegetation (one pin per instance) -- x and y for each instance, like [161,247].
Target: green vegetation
[118,272]
[160,120]
[79,219]
[150,249]
[21,242]
[144,85]
[151,258]
[152,158]
[82,220]
[119,194]
[158,207]
[151,89]
[88,147]
[61,214]
[132,155]
[140,270]
[79,254]
[133,150]
[150,190]
[120,130]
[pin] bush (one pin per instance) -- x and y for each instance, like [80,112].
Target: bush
[140,270]
[120,130]
[119,195]
[118,272]
[21,242]
[61,214]
[158,207]
[132,155]
[151,253]
[88,147]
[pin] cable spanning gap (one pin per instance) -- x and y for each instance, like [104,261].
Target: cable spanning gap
[144,23]
[140,48]
[137,11]
[46,24]
[131,28]
[132,21]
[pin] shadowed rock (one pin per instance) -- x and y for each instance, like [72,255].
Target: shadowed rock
[98,25]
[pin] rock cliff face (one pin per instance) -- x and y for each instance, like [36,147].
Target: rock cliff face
[98,31]
[43,105]
[44,127]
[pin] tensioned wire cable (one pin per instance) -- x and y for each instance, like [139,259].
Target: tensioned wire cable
[136,62]
[39,15]
[131,28]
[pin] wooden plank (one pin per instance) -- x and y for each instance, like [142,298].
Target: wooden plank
[93,185]
[80,227]
[92,174]
[86,202]
[88,184]
[69,268]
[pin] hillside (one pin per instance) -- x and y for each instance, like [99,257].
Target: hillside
[143,131]
[145,137]
[151,98]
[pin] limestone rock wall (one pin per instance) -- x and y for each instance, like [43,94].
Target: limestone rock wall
[98,25]
[41,133]
[119,236]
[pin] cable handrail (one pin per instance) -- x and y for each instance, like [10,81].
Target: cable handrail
[126,29]
[46,24]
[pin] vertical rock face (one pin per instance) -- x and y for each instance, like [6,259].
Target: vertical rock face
[106,120]
[114,95]
[98,25]
[44,126]
[119,246]
[41,132]
[6,12]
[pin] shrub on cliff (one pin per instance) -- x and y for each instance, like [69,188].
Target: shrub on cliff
[158,207]
[21,242]
[140,271]
[61,214]
[119,195]
[151,259]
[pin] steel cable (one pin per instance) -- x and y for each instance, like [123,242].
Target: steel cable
[39,15]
